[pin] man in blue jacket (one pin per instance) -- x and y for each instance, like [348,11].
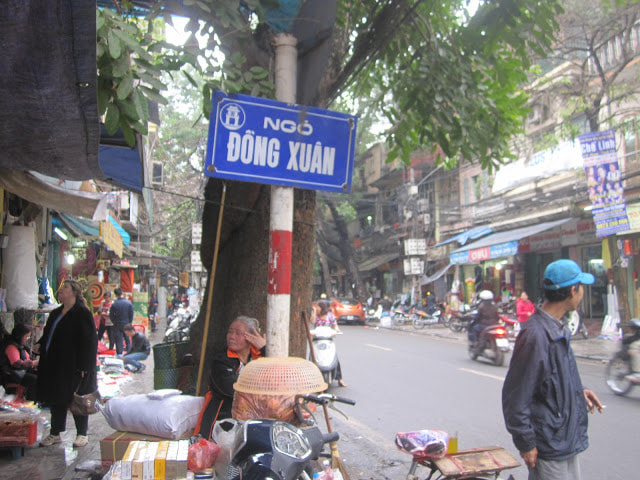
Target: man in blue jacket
[121,314]
[543,401]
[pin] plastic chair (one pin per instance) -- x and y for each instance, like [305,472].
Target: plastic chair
[19,390]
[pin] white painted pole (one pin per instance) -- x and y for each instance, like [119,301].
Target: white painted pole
[281,220]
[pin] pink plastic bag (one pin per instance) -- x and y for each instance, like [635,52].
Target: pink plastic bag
[202,454]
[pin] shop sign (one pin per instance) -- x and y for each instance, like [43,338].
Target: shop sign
[543,241]
[633,212]
[413,266]
[415,246]
[111,237]
[196,262]
[478,255]
[196,233]
[183,279]
[577,232]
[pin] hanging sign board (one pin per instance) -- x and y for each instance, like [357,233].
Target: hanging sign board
[264,141]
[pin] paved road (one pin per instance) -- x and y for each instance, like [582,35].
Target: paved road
[406,381]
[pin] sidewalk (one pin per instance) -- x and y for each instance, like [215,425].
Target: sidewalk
[61,461]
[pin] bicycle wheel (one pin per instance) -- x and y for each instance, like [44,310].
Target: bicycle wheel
[615,374]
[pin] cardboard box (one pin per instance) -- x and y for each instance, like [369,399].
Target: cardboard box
[127,460]
[138,463]
[113,446]
[172,458]
[159,469]
[149,461]
[181,460]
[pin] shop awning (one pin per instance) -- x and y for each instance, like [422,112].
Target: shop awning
[501,244]
[373,262]
[470,234]
[33,189]
[83,228]
[432,278]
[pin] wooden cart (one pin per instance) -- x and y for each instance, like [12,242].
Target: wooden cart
[484,462]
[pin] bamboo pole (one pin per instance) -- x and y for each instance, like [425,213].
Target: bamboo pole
[212,275]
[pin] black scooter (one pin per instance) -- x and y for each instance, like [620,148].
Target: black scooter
[276,450]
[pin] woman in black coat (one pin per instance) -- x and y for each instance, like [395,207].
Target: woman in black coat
[68,349]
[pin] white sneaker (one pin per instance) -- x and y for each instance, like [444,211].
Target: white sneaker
[50,440]
[81,441]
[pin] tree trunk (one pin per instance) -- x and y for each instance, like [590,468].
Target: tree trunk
[346,251]
[240,285]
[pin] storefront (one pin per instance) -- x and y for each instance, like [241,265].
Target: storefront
[513,261]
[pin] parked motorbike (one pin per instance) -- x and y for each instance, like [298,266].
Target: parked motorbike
[325,352]
[420,318]
[179,325]
[619,373]
[429,448]
[401,313]
[492,344]
[275,450]
[575,324]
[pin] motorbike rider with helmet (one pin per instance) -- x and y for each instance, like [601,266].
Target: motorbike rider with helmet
[487,315]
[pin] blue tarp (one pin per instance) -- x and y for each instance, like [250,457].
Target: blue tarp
[122,166]
[82,227]
[471,234]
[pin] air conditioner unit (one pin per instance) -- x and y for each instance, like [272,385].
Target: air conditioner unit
[536,115]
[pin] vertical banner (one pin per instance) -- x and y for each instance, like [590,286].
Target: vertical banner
[604,182]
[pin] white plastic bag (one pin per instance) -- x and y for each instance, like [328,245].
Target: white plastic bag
[224,432]
[172,417]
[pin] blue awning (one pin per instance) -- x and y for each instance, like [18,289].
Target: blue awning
[126,238]
[464,237]
[81,227]
[501,244]
[121,164]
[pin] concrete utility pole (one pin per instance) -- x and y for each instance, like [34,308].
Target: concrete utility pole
[281,220]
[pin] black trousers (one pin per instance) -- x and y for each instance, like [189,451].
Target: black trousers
[59,420]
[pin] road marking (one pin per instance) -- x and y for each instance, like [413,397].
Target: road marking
[476,372]
[378,346]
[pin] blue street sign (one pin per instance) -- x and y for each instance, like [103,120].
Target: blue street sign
[260,140]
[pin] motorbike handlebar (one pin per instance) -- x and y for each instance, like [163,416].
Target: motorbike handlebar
[330,437]
[325,398]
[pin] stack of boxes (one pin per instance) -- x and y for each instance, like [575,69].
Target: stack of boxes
[149,460]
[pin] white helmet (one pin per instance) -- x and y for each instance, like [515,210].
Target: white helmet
[486,295]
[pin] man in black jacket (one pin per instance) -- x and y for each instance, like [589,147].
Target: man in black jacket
[139,350]
[543,401]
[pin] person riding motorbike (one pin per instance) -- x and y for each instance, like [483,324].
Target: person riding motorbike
[487,315]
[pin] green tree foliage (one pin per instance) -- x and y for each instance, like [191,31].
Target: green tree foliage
[439,76]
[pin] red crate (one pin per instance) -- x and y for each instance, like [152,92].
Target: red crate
[18,432]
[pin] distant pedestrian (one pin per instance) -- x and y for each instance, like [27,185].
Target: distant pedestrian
[524,307]
[121,314]
[138,351]
[544,403]
[105,324]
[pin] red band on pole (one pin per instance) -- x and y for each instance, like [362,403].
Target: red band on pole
[280,262]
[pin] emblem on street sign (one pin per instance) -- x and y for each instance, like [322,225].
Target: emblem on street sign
[264,141]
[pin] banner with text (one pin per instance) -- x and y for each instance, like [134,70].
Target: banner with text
[604,182]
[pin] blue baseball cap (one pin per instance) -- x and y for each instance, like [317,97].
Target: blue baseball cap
[564,273]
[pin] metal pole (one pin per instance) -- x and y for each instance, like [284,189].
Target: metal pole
[281,219]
